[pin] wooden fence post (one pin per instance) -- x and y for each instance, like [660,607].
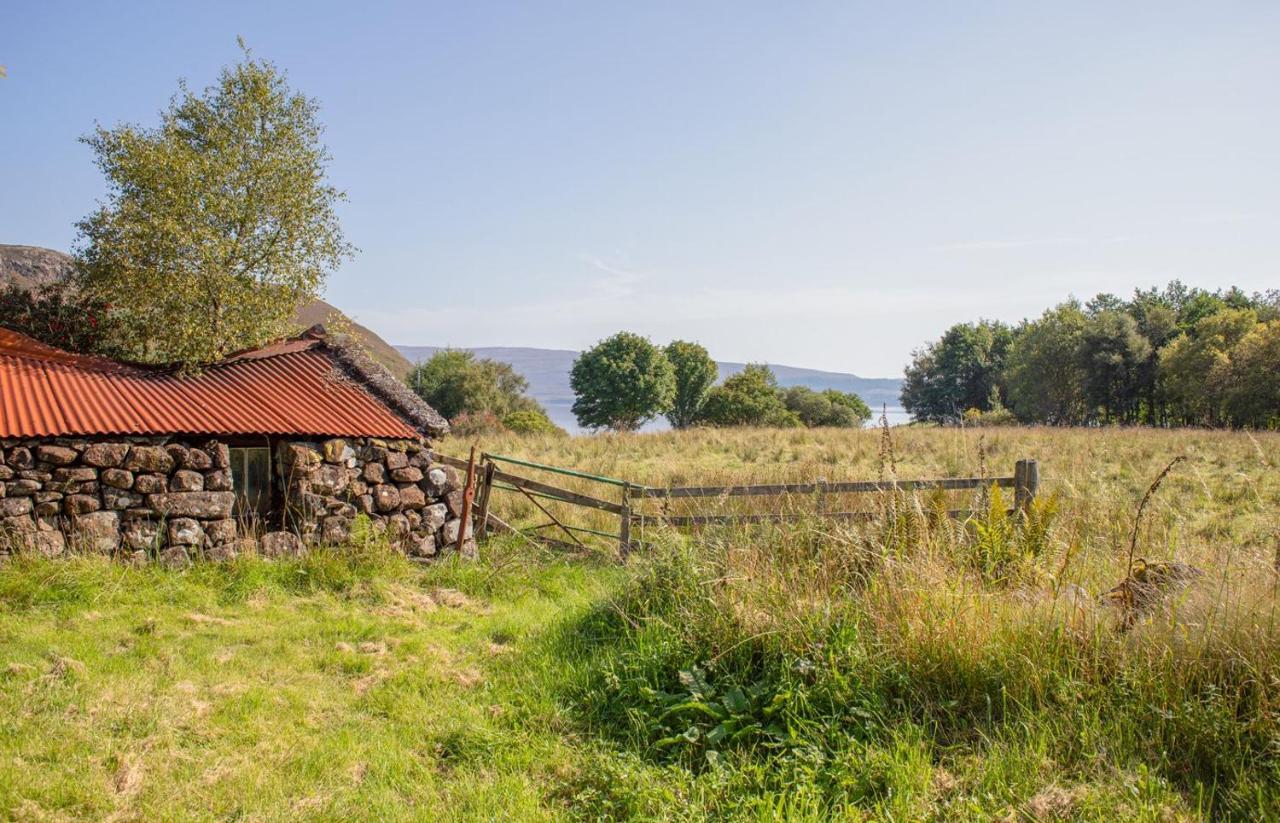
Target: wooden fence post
[486,490]
[468,492]
[1026,483]
[624,536]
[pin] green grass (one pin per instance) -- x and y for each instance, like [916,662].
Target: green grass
[905,669]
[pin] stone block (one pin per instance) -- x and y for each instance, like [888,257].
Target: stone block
[15,506]
[56,455]
[436,481]
[197,460]
[397,526]
[218,480]
[50,508]
[280,544]
[117,478]
[222,552]
[148,459]
[453,502]
[330,479]
[141,534]
[48,543]
[6,473]
[105,455]
[386,497]
[337,451]
[423,546]
[301,456]
[406,474]
[119,499]
[22,488]
[185,531]
[211,505]
[79,474]
[411,497]
[186,480]
[219,532]
[20,458]
[175,557]
[81,504]
[150,483]
[434,516]
[177,452]
[98,531]
[36,475]
[219,453]
[335,530]
[19,524]
[397,460]
[375,473]
[365,503]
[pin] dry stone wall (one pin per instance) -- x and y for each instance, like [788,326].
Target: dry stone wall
[173,501]
[395,484]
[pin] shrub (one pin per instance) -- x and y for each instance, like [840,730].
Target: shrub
[532,422]
[748,398]
[455,382]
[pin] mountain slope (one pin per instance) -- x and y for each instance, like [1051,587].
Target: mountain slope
[32,266]
[547,371]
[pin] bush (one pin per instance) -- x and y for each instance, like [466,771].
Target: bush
[456,382]
[748,398]
[826,408]
[474,424]
[532,422]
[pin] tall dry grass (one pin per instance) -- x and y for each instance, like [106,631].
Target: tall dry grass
[985,634]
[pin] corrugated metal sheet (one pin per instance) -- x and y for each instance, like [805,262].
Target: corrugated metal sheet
[293,388]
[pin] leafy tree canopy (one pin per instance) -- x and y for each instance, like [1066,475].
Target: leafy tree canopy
[622,383]
[826,408]
[958,372]
[456,382]
[748,398]
[695,374]
[216,224]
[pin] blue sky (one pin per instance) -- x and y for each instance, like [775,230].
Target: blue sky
[816,184]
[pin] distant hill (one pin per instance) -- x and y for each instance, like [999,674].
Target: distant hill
[547,371]
[32,266]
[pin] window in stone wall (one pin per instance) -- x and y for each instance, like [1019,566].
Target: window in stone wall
[251,478]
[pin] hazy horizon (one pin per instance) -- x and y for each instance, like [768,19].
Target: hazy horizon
[827,187]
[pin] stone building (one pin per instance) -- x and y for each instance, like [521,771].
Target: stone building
[278,448]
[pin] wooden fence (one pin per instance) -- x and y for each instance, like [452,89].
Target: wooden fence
[499,473]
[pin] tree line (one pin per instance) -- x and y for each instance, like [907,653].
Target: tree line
[1165,357]
[625,381]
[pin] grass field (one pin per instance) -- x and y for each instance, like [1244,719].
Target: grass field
[906,668]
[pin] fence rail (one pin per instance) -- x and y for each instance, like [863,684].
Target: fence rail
[855,487]
[490,478]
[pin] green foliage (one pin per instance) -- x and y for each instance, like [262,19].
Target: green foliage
[60,316]
[455,382]
[1113,354]
[830,407]
[695,374]
[748,398]
[958,372]
[532,421]
[216,224]
[621,383]
[1252,396]
[1167,356]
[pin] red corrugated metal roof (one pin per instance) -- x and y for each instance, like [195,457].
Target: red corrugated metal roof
[291,388]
